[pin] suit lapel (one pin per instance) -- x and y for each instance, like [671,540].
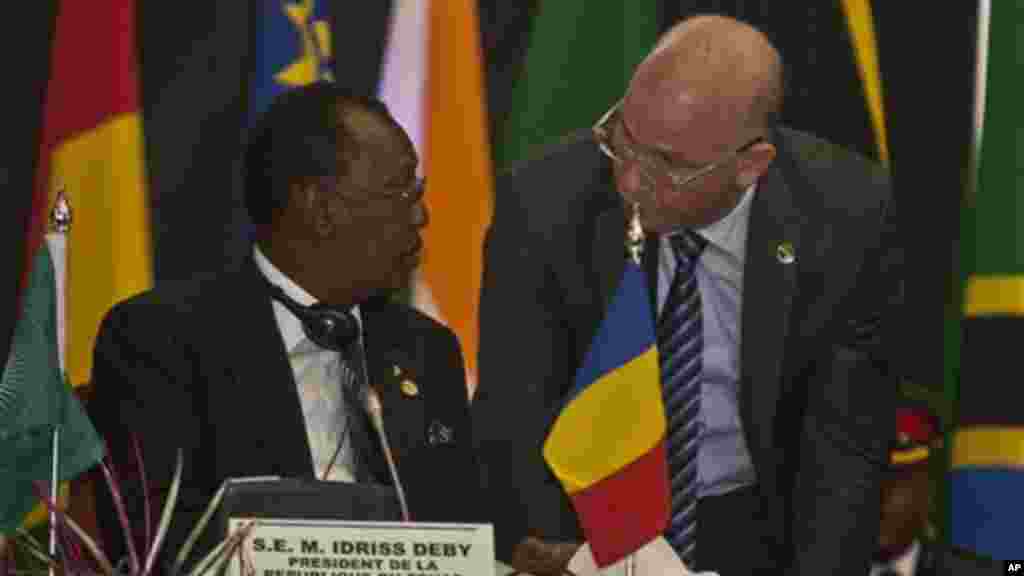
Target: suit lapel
[769,286]
[390,367]
[262,402]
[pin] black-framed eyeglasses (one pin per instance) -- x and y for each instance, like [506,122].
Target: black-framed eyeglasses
[652,163]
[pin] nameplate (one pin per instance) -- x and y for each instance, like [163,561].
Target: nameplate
[289,547]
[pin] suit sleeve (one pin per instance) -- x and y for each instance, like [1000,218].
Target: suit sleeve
[140,394]
[523,363]
[849,418]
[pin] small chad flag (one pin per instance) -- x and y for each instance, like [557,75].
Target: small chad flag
[607,447]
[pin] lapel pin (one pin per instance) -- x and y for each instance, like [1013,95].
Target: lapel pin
[438,433]
[396,370]
[409,388]
[785,253]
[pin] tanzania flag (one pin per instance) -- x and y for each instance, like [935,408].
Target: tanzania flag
[607,446]
[987,477]
[91,148]
[35,397]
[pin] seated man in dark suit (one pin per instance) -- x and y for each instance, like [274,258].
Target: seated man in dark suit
[258,370]
[907,545]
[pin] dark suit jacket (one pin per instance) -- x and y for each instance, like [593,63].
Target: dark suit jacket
[815,397]
[202,367]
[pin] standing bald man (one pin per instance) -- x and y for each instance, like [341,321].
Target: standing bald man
[787,246]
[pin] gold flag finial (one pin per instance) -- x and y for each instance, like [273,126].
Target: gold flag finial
[635,236]
[60,215]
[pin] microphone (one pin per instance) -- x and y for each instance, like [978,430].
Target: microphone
[376,414]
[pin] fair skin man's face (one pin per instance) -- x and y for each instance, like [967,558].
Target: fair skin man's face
[682,134]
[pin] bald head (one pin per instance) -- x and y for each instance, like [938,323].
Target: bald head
[724,69]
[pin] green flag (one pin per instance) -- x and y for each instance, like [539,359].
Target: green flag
[34,397]
[579,61]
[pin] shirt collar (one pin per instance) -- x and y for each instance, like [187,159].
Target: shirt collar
[288,323]
[729,233]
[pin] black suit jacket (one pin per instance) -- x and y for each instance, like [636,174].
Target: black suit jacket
[815,396]
[202,366]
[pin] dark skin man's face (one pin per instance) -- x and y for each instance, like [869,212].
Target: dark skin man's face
[905,504]
[377,207]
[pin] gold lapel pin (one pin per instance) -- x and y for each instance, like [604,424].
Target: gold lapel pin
[785,253]
[409,388]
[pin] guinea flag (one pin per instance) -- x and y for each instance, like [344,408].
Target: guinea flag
[91,148]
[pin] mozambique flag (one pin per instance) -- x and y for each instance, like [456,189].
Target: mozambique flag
[433,82]
[91,148]
[987,476]
[607,446]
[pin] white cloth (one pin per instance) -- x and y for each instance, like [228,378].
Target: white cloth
[656,558]
[319,375]
[905,564]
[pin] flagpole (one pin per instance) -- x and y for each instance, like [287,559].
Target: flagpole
[60,223]
[54,483]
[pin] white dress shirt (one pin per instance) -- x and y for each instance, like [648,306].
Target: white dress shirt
[318,375]
[905,564]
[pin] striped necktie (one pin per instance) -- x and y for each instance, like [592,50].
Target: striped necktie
[680,351]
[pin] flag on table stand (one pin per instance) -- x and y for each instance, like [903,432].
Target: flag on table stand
[607,446]
[432,81]
[35,397]
[987,477]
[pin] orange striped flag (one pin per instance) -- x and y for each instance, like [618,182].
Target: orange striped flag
[458,163]
[433,83]
[92,147]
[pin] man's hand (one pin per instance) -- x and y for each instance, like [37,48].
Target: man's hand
[542,558]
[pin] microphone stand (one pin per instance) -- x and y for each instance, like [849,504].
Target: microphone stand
[54,480]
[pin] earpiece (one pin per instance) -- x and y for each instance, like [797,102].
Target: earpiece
[329,328]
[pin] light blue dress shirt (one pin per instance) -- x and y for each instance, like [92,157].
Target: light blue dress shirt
[723,459]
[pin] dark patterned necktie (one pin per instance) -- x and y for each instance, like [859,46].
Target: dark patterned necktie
[680,351]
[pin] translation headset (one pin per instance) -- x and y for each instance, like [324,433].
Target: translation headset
[328,327]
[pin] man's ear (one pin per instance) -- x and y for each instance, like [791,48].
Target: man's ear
[313,204]
[754,163]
